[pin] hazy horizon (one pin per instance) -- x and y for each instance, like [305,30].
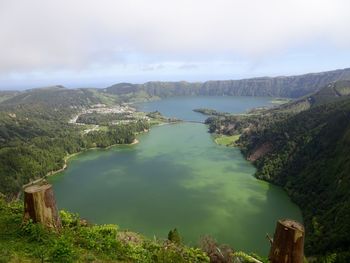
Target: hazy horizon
[97,85]
[99,43]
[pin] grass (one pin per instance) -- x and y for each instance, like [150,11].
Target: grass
[226,140]
[79,241]
[108,99]
[103,128]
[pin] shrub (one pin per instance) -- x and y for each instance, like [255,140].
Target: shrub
[174,236]
[69,219]
[101,238]
[35,232]
[62,250]
[217,253]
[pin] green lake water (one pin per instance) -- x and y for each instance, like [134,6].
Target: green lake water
[176,177]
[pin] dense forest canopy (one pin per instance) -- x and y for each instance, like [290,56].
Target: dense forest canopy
[305,149]
[35,135]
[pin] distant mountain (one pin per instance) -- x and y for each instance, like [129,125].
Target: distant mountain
[285,86]
[7,94]
[334,91]
[55,96]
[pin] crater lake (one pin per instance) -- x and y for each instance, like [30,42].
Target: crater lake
[178,177]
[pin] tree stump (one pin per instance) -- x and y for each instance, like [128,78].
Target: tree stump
[288,242]
[40,206]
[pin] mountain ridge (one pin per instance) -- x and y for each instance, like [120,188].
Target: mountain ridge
[281,86]
[293,86]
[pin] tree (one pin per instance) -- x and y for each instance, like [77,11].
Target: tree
[174,236]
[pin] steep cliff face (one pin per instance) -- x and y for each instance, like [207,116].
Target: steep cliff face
[291,86]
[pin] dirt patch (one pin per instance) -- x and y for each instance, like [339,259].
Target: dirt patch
[260,151]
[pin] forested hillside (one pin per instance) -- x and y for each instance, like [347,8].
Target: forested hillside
[35,136]
[6,94]
[291,86]
[307,153]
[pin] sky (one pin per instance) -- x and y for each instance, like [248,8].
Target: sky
[96,43]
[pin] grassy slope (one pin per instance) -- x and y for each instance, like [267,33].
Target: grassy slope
[5,95]
[226,140]
[79,242]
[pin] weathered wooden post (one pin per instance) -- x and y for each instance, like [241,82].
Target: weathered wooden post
[40,206]
[288,242]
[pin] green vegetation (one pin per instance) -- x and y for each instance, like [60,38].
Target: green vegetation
[308,158]
[174,236]
[226,140]
[307,153]
[211,112]
[157,118]
[302,146]
[102,119]
[35,135]
[105,98]
[5,95]
[79,241]
[36,138]
[30,158]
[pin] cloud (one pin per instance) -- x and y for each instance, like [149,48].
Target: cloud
[41,35]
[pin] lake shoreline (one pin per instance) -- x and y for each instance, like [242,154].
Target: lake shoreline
[143,169]
[69,156]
